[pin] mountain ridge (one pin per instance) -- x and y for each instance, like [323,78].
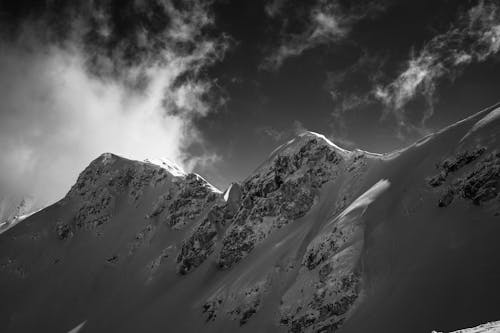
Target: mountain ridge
[317,238]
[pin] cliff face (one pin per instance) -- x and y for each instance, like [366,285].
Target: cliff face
[316,239]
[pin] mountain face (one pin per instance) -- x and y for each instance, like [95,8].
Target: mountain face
[15,209]
[316,239]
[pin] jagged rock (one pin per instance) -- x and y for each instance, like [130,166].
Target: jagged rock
[212,306]
[454,164]
[157,262]
[201,242]
[479,185]
[280,192]
[247,302]
[113,259]
[141,237]
[238,305]
[63,231]
[447,198]
[321,299]
[186,202]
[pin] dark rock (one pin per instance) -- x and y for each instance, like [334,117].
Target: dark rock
[454,164]
[480,185]
[447,198]
[63,231]
[281,192]
[113,259]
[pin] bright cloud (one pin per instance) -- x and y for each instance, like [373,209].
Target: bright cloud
[67,102]
[474,38]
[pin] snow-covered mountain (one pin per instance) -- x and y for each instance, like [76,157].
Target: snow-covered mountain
[14,209]
[316,239]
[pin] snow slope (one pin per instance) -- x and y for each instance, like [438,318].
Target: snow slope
[493,327]
[316,239]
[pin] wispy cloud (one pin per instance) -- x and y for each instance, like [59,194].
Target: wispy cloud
[273,7]
[105,83]
[279,135]
[351,91]
[326,22]
[474,38]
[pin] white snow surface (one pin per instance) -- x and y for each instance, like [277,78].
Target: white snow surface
[78,328]
[321,136]
[6,225]
[226,194]
[490,117]
[492,327]
[213,188]
[168,165]
[364,200]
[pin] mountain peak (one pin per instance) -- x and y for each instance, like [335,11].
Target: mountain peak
[167,164]
[311,134]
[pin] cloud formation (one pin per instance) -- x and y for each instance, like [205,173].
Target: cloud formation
[326,22]
[474,38]
[351,90]
[100,85]
[278,135]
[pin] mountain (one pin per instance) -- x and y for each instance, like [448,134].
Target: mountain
[14,209]
[316,239]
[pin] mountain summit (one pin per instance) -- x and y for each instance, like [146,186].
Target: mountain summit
[316,239]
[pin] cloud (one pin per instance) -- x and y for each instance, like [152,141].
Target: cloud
[69,96]
[296,128]
[273,7]
[350,90]
[473,38]
[326,22]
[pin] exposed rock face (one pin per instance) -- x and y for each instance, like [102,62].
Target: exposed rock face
[281,191]
[193,194]
[110,176]
[278,193]
[478,184]
[454,164]
[329,282]
[237,305]
[63,231]
[201,242]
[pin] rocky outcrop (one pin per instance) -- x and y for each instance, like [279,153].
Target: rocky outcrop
[454,164]
[238,305]
[478,185]
[63,231]
[329,282]
[280,192]
[185,201]
[201,242]
[106,178]
[110,176]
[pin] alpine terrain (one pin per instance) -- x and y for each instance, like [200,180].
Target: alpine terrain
[316,239]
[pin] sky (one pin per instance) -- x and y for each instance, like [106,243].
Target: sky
[216,85]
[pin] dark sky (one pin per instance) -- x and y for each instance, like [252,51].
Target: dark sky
[225,82]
